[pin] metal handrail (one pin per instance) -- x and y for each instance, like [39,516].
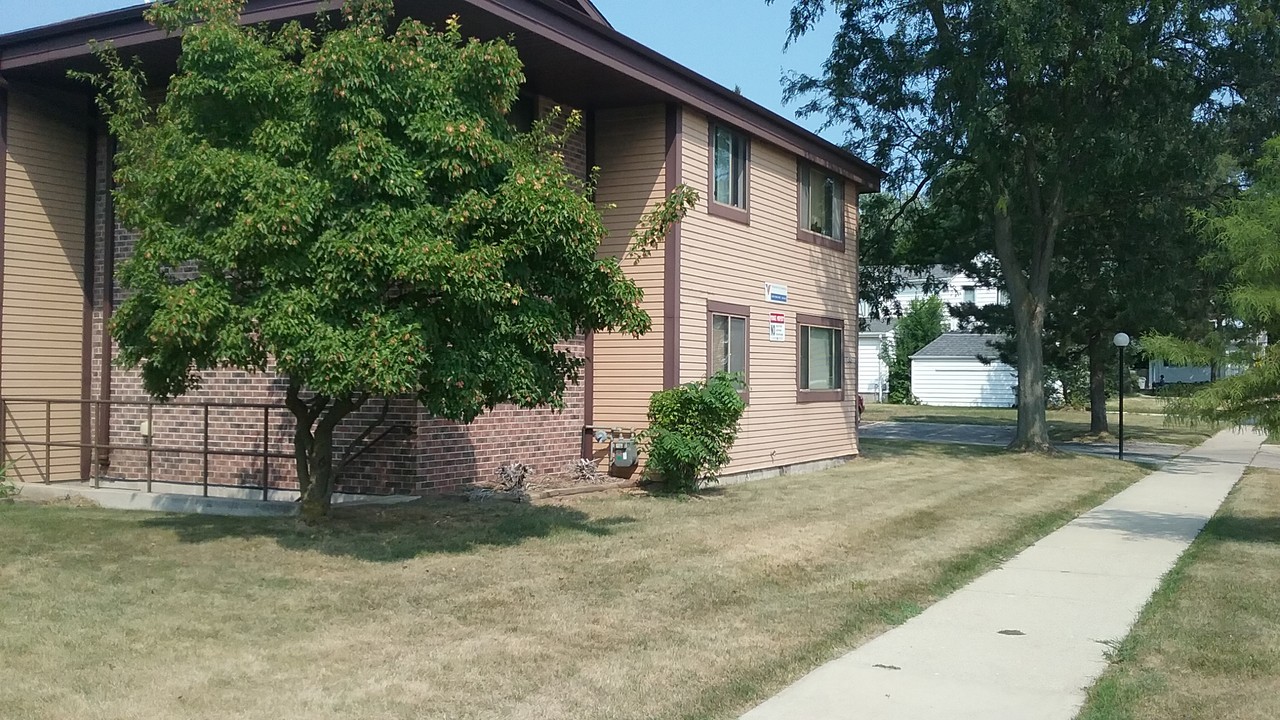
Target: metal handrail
[149,448]
[143,403]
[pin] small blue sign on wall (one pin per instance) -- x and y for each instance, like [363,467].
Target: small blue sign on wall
[775,293]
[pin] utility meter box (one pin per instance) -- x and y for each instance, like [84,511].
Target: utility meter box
[623,452]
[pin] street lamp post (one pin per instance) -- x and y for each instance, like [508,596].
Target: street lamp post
[1121,341]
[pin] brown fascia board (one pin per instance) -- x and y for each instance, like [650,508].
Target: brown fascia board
[584,35]
[126,28]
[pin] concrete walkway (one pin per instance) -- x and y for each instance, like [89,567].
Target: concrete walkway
[1001,435]
[1025,640]
[186,498]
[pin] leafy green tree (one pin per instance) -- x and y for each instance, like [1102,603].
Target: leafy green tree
[1247,231]
[1135,264]
[1026,100]
[888,261]
[921,325]
[352,204]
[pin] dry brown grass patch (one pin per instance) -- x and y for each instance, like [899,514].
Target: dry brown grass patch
[608,606]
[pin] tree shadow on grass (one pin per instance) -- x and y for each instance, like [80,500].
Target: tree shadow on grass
[1243,529]
[400,532]
[880,448]
[949,418]
[1145,525]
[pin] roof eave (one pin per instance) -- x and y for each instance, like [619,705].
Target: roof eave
[583,34]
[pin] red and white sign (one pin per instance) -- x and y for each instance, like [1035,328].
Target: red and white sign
[777,327]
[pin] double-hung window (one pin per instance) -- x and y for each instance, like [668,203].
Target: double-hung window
[728,339]
[730,175]
[821,207]
[821,359]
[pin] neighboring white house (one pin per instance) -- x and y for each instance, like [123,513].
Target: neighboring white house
[873,373]
[948,372]
[958,288]
[1158,372]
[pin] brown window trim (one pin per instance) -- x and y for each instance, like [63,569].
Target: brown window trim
[805,235]
[715,209]
[816,396]
[813,238]
[743,311]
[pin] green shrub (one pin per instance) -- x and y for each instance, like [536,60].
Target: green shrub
[7,488]
[691,429]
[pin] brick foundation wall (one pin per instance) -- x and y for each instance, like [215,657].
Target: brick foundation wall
[422,453]
[451,454]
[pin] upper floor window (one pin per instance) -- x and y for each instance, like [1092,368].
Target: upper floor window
[821,204]
[970,294]
[730,157]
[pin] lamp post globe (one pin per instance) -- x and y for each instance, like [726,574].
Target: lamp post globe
[1121,341]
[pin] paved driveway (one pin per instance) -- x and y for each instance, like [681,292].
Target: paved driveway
[1000,435]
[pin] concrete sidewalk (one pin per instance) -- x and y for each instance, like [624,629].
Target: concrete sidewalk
[1026,640]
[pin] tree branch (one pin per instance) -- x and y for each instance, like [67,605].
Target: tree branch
[939,16]
[907,203]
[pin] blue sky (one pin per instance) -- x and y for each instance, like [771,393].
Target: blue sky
[734,42]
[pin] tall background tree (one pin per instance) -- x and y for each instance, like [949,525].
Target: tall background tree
[1030,100]
[352,203]
[923,322]
[1134,263]
[1246,230]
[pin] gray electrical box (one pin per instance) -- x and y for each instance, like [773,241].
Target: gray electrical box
[622,452]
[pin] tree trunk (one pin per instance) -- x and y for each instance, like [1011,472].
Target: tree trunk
[1097,386]
[1033,425]
[1029,296]
[1028,282]
[317,498]
[313,447]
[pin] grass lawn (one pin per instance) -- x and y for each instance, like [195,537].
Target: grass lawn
[1138,404]
[1208,644]
[608,606]
[1064,425]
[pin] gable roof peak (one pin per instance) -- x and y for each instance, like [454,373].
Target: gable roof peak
[586,7]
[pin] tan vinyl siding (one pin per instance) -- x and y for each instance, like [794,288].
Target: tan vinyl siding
[727,261]
[42,343]
[630,146]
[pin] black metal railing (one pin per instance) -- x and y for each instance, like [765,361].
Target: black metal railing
[101,450]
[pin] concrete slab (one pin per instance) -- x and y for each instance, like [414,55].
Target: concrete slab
[124,498]
[1027,639]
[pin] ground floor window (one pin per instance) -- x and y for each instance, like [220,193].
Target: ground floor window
[820,346]
[728,339]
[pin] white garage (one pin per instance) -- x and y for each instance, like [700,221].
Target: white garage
[962,370]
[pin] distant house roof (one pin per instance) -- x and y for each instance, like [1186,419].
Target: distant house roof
[961,345]
[880,326]
[936,272]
